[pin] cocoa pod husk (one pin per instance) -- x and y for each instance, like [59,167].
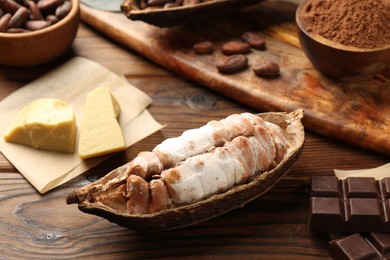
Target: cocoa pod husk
[185,11]
[114,207]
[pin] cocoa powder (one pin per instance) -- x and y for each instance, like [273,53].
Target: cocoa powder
[357,23]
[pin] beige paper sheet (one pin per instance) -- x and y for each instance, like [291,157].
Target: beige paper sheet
[71,82]
[378,173]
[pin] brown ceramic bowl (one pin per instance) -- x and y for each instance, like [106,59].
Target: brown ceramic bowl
[338,61]
[38,47]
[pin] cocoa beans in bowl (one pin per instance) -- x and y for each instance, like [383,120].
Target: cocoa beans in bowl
[36,32]
[199,175]
[169,13]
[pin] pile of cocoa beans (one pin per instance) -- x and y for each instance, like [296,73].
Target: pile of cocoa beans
[18,16]
[236,59]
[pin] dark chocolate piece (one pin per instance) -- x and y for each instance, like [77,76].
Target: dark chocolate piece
[356,204]
[361,246]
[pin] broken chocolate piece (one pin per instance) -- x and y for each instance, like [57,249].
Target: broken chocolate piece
[361,246]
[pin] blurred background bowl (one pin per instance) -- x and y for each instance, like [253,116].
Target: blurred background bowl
[338,61]
[41,46]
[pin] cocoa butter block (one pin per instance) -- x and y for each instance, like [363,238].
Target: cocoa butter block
[361,246]
[355,204]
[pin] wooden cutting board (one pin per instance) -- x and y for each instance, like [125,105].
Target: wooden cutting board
[357,113]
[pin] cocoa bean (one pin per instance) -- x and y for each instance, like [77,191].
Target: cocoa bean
[205,47]
[35,12]
[9,6]
[63,9]
[52,19]
[254,40]
[235,47]
[268,69]
[17,30]
[142,4]
[4,22]
[48,5]
[37,25]
[232,64]
[19,18]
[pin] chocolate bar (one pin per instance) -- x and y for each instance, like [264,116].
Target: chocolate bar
[361,246]
[355,204]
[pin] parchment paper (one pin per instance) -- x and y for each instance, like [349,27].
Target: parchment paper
[71,82]
[378,173]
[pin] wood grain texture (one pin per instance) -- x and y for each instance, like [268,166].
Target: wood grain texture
[356,113]
[274,226]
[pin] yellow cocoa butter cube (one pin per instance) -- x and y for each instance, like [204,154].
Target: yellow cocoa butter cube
[100,132]
[46,124]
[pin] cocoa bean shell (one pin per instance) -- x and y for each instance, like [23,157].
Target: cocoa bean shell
[169,17]
[209,208]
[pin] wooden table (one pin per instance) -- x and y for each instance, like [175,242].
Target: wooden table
[273,226]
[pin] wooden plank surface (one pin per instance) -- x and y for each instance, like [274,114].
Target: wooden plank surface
[357,113]
[274,226]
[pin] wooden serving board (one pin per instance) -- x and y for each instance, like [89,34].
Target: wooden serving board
[357,113]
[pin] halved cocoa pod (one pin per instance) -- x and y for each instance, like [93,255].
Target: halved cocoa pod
[181,14]
[106,197]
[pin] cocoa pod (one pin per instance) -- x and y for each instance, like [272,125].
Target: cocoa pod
[185,11]
[231,64]
[106,196]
